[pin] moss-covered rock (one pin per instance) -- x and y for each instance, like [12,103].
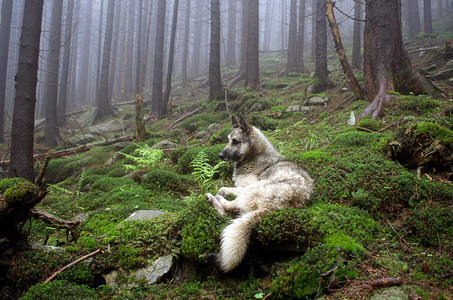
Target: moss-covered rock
[16,190]
[59,289]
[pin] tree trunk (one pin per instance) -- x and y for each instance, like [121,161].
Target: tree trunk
[185,53]
[195,68]
[352,81]
[386,62]
[252,78]
[313,30]
[115,54]
[268,25]
[321,72]
[414,18]
[164,107]
[158,59]
[440,10]
[103,100]
[356,62]
[284,23]
[215,81]
[292,37]
[52,134]
[130,40]
[62,97]
[138,51]
[99,52]
[85,60]
[300,67]
[5,32]
[21,164]
[231,39]
[244,42]
[427,17]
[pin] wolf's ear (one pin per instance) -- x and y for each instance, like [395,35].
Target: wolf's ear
[235,122]
[245,125]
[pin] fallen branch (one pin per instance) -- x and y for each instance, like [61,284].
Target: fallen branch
[54,221]
[77,149]
[73,264]
[185,116]
[38,179]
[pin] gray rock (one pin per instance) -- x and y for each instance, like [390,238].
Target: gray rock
[214,127]
[444,75]
[295,108]
[202,134]
[143,215]
[136,175]
[110,126]
[257,106]
[165,144]
[110,278]
[390,293]
[85,139]
[317,100]
[88,117]
[37,246]
[154,271]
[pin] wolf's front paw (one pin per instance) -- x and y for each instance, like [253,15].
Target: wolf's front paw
[210,198]
[223,191]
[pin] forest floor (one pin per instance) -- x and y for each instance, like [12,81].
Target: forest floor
[380,224]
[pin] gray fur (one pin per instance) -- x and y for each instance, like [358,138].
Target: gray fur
[264,182]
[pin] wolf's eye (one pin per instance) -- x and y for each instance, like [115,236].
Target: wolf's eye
[235,142]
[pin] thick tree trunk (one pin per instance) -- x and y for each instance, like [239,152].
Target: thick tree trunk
[252,78]
[138,50]
[195,68]
[130,41]
[85,60]
[99,51]
[321,72]
[164,106]
[313,30]
[21,164]
[103,100]
[215,81]
[356,62]
[386,62]
[5,32]
[352,81]
[267,25]
[158,59]
[427,17]
[244,42]
[52,132]
[63,93]
[292,37]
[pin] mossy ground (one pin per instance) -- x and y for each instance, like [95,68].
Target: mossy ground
[370,217]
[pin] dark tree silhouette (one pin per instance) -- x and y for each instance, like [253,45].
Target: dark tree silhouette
[427,17]
[231,39]
[185,53]
[413,18]
[158,59]
[21,163]
[52,136]
[171,53]
[102,99]
[292,38]
[356,61]
[5,32]
[63,93]
[386,62]
[300,67]
[215,81]
[321,72]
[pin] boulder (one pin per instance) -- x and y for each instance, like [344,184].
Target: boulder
[318,100]
[110,126]
[143,215]
[214,127]
[158,268]
[165,144]
[295,108]
[88,117]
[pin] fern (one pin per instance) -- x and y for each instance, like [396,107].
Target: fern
[144,157]
[80,182]
[59,189]
[202,170]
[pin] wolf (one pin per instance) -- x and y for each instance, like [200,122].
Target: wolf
[264,182]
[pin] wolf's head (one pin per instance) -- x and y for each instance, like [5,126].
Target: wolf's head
[239,141]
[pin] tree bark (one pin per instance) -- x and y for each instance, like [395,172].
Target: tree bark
[356,62]
[158,59]
[321,72]
[21,164]
[138,50]
[103,100]
[414,18]
[252,78]
[300,67]
[52,133]
[63,94]
[164,106]
[244,41]
[352,81]
[292,37]
[5,32]
[215,81]
[427,17]
[268,25]
[85,60]
[195,68]
[130,41]
[386,62]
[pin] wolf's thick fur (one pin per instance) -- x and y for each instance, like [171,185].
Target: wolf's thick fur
[264,182]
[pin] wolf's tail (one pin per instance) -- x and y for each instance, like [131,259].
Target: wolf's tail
[235,239]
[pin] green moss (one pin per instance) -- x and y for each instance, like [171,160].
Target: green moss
[59,289]
[354,139]
[437,132]
[220,137]
[201,230]
[165,180]
[202,120]
[262,122]
[16,190]
[369,123]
